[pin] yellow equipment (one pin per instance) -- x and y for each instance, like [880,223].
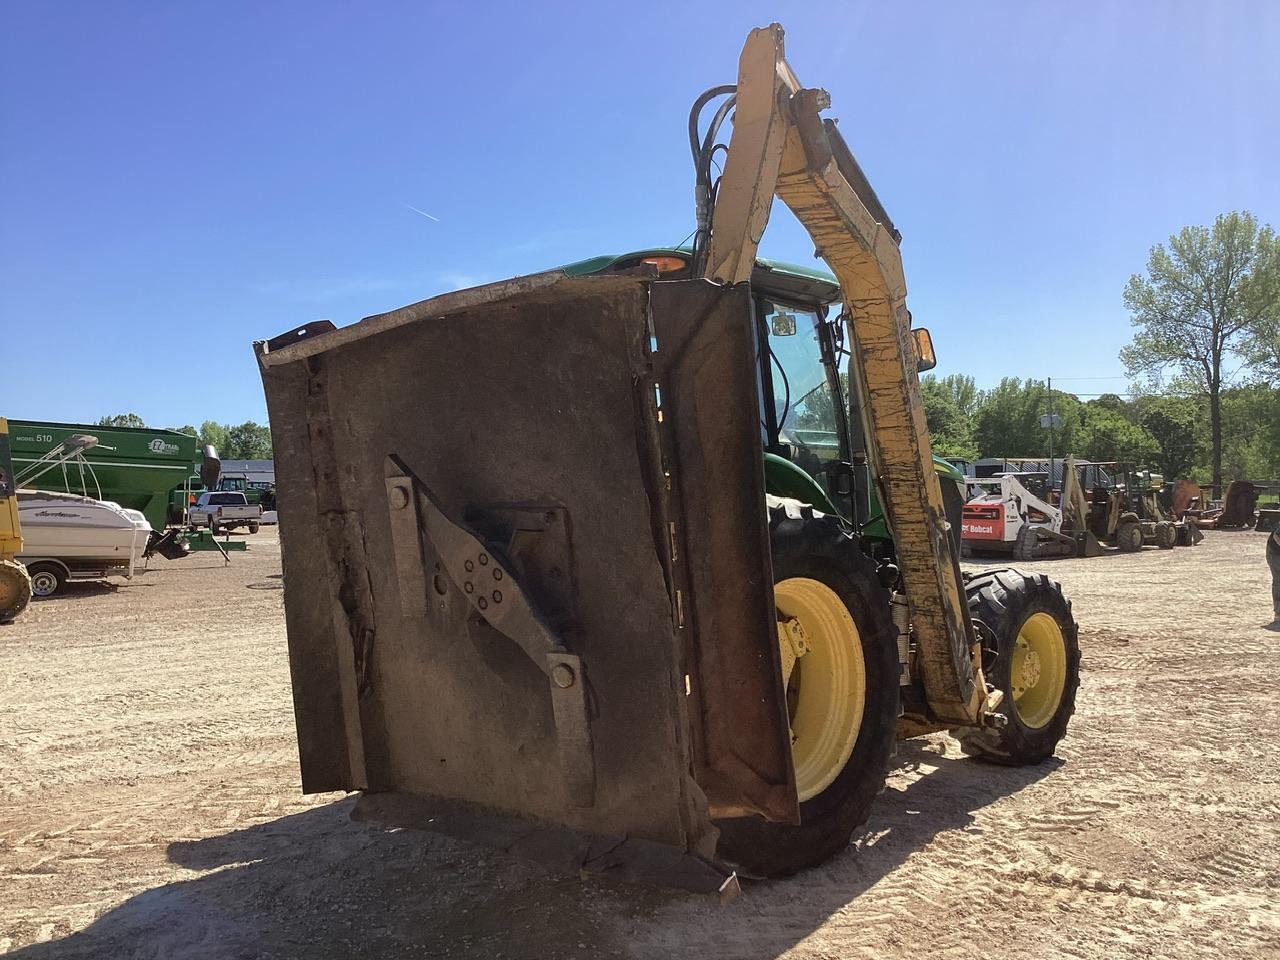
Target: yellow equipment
[15,583]
[533,570]
[782,145]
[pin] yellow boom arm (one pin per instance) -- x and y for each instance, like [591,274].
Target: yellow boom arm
[780,145]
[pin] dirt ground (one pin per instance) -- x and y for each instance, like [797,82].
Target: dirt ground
[150,807]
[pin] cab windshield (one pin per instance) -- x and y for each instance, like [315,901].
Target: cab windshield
[804,409]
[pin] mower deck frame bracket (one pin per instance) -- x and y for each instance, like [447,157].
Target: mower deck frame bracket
[494,594]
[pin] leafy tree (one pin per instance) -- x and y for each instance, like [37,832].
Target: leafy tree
[1251,433]
[121,420]
[1007,423]
[1172,424]
[1202,297]
[1113,402]
[212,432]
[962,390]
[1106,434]
[948,407]
[1262,347]
[248,441]
[1262,295]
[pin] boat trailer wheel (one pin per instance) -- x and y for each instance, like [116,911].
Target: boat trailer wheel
[44,583]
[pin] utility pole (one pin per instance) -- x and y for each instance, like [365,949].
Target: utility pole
[1050,421]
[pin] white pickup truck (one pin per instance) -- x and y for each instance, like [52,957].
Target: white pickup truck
[220,510]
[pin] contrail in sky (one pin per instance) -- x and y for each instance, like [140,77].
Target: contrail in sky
[423,212]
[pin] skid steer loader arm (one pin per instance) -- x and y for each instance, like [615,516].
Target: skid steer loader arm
[781,145]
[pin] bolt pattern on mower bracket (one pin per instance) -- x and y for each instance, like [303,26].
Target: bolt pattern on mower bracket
[494,594]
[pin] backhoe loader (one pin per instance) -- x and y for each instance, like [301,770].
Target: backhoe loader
[649,551]
[15,582]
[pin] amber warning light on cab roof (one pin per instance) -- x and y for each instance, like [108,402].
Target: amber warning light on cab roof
[666,264]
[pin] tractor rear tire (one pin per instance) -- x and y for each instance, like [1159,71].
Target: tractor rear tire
[1166,535]
[15,589]
[812,552]
[1129,537]
[1034,630]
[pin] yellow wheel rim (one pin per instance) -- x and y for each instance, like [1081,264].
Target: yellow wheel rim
[825,679]
[1038,673]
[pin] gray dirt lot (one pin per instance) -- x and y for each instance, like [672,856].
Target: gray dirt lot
[149,802]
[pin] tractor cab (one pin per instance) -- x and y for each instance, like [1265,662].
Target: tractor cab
[811,427]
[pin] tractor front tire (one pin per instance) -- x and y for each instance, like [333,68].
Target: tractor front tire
[1166,535]
[15,589]
[842,694]
[1129,537]
[1032,653]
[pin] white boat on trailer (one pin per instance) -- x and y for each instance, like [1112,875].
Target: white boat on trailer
[71,537]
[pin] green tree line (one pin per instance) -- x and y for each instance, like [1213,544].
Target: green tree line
[239,441]
[1166,431]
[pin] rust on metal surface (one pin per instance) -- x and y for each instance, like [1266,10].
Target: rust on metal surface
[706,369]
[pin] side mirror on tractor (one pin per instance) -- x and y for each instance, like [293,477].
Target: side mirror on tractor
[925,358]
[783,324]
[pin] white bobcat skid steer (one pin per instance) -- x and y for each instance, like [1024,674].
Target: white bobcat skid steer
[1003,515]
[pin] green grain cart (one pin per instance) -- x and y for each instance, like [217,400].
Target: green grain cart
[134,467]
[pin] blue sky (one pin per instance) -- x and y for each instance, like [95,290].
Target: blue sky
[179,179]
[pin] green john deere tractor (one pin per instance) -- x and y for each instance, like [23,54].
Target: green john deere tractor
[652,548]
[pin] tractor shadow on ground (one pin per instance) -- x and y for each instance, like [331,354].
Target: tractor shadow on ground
[318,885]
[905,820]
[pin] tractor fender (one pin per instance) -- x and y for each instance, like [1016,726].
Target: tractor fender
[782,478]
